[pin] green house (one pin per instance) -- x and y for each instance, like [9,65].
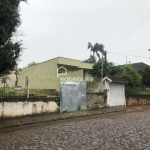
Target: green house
[49,74]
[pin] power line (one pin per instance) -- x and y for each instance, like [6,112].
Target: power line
[127,55]
[130,32]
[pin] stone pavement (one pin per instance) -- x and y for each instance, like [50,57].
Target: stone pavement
[33,119]
[129,131]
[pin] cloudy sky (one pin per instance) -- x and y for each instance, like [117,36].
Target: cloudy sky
[63,28]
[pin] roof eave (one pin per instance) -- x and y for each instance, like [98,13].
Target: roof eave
[119,82]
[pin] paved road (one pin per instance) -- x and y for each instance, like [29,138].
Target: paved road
[118,132]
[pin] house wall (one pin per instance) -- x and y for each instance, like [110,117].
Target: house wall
[44,75]
[16,109]
[74,72]
[41,76]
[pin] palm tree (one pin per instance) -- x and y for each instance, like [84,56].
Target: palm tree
[96,49]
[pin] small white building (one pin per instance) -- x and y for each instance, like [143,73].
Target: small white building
[115,90]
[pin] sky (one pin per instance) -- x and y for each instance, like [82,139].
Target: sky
[63,28]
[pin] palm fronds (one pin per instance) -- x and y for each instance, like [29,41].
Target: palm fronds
[96,49]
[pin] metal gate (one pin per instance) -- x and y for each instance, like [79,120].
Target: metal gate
[116,95]
[73,96]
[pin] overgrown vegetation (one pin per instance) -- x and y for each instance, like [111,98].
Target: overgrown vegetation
[36,92]
[136,91]
[145,74]
[131,74]
[97,69]
[66,111]
[79,108]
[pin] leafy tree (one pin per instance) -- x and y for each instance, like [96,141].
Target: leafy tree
[131,75]
[114,70]
[96,49]
[97,69]
[145,73]
[90,60]
[33,63]
[9,22]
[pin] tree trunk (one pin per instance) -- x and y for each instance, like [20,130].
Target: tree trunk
[94,56]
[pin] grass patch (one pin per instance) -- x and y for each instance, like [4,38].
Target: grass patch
[18,124]
[79,108]
[37,92]
[44,120]
[66,111]
[73,116]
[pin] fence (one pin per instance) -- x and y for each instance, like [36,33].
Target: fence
[11,93]
[44,87]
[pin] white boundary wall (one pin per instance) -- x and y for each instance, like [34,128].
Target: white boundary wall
[16,109]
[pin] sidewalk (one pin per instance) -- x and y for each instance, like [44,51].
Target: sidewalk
[43,118]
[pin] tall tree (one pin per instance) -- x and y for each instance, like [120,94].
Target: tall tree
[9,22]
[96,49]
[115,70]
[145,73]
[97,69]
[131,75]
[90,60]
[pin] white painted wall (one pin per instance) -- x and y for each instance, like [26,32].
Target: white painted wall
[16,109]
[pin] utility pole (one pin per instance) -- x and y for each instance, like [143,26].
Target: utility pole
[27,85]
[102,68]
[105,63]
[28,89]
[105,55]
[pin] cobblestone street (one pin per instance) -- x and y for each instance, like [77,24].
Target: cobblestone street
[120,132]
